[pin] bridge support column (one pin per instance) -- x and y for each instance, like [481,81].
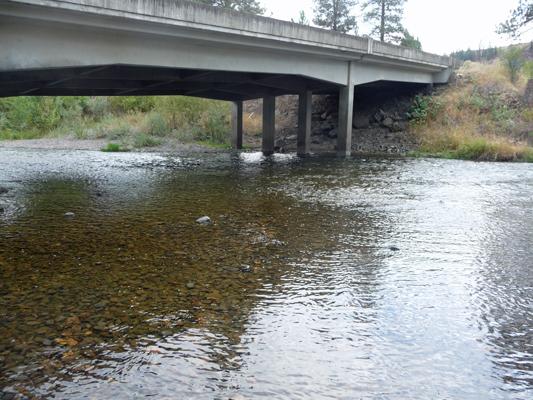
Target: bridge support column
[236,125]
[304,123]
[269,124]
[344,139]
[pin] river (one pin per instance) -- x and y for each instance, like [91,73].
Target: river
[317,278]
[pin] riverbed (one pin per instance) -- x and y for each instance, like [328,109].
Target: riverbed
[316,278]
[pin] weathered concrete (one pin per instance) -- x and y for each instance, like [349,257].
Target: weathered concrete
[236,124]
[269,124]
[344,139]
[304,122]
[173,47]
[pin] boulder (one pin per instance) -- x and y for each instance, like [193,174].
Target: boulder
[380,116]
[360,122]
[387,122]
[333,133]
[395,127]
[279,143]
[326,127]
[203,220]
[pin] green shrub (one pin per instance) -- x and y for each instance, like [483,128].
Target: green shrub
[131,104]
[144,140]
[423,109]
[97,108]
[111,147]
[119,131]
[512,61]
[40,113]
[156,125]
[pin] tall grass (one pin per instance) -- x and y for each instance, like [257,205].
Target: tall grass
[479,120]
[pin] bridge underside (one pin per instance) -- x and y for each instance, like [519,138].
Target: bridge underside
[125,80]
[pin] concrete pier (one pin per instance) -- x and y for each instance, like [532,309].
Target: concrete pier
[236,124]
[269,124]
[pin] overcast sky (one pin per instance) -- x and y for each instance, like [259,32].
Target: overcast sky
[441,26]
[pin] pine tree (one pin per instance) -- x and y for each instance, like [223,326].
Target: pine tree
[302,20]
[410,41]
[520,17]
[335,15]
[248,6]
[386,18]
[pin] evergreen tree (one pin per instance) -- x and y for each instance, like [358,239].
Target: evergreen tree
[248,6]
[520,17]
[386,18]
[335,15]
[410,41]
[303,19]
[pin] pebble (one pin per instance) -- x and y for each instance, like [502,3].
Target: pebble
[99,305]
[69,215]
[8,396]
[203,220]
[190,285]
[21,378]
[47,342]
[394,248]
[166,332]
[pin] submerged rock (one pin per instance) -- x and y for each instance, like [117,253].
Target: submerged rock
[190,285]
[203,220]
[69,215]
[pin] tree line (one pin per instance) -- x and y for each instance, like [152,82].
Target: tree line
[475,55]
[384,17]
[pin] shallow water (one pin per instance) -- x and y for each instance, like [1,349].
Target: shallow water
[317,278]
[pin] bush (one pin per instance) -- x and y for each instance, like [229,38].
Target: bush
[144,140]
[201,119]
[156,125]
[131,104]
[111,147]
[423,109]
[512,61]
[97,108]
[119,131]
[40,113]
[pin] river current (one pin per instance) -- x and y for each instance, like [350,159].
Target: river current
[317,278]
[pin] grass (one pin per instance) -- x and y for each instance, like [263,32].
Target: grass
[112,147]
[479,120]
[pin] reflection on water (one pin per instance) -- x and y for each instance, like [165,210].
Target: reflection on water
[317,278]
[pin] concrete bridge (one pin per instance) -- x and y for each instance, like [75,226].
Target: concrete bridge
[174,47]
